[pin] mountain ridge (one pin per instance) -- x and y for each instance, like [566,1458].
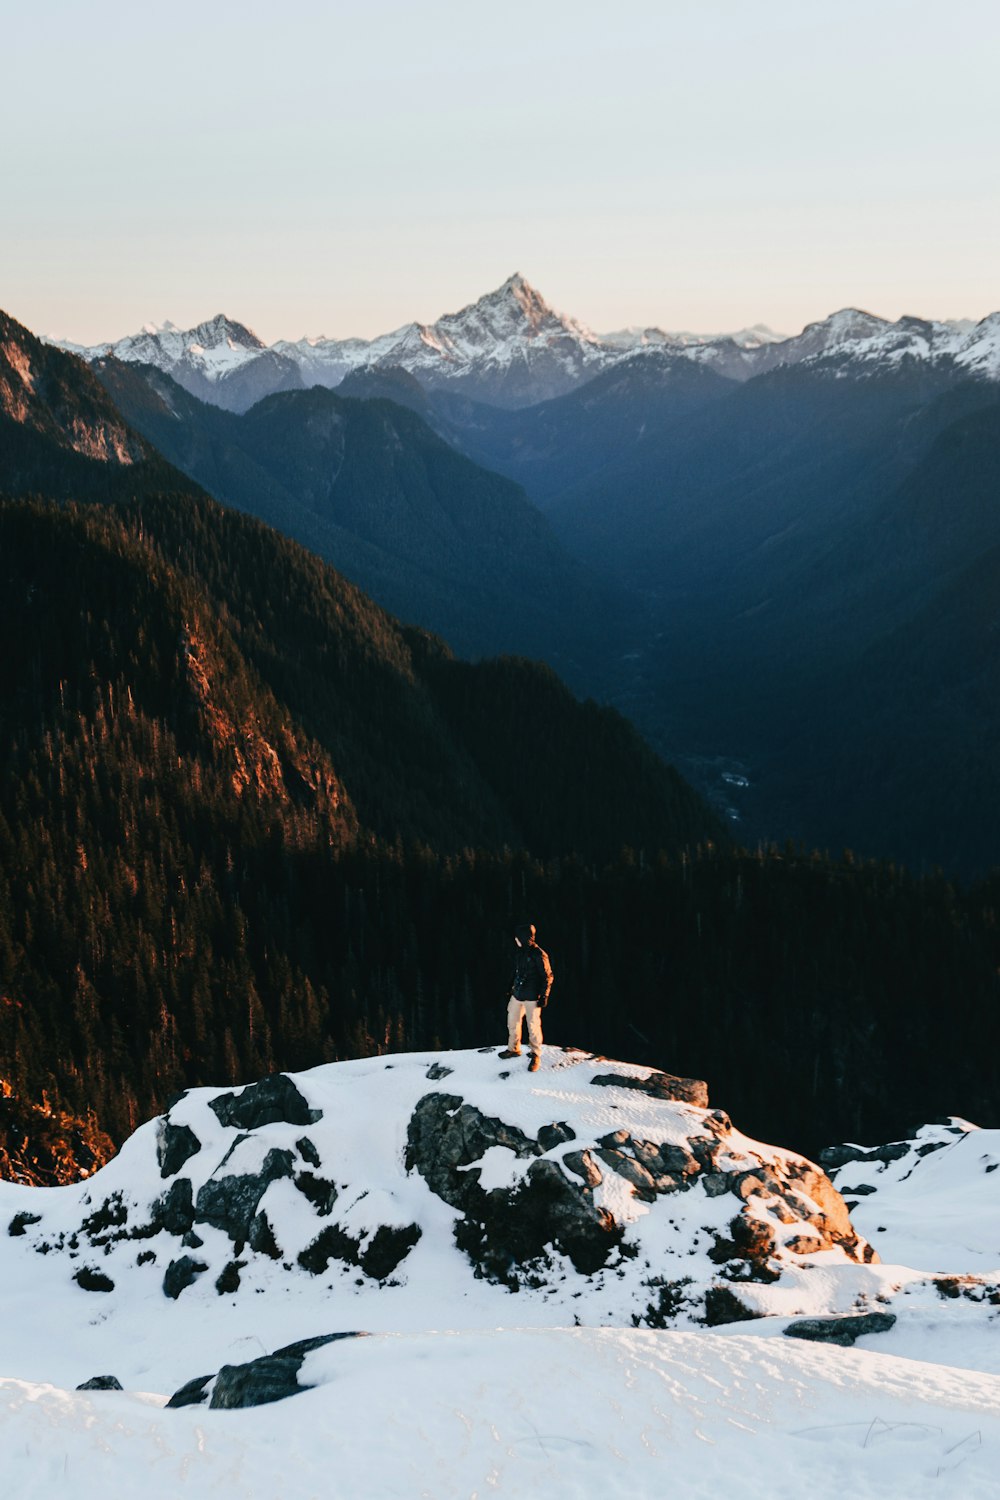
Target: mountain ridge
[510,349]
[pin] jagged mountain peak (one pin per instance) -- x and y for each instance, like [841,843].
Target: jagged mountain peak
[511,348]
[847,322]
[223,329]
[216,332]
[514,306]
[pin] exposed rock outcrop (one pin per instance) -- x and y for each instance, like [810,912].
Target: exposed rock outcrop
[590,1183]
[660,1086]
[843,1330]
[175,1144]
[230,1202]
[258,1382]
[557,1204]
[271,1100]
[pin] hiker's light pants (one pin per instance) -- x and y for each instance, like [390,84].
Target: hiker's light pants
[517,1011]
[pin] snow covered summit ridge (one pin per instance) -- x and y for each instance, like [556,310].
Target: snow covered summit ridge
[596,1189]
[142,1271]
[511,349]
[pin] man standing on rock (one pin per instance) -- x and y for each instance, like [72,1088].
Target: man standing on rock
[529,995]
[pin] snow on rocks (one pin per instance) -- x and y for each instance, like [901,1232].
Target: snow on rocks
[391,1176]
[950,1163]
[593,1186]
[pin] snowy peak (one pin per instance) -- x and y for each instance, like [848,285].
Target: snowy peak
[515,312]
[586,1187]
[221,360]
[510,348]
[861,342]
[217,345]
[515,303]
[222,331]
[637,338]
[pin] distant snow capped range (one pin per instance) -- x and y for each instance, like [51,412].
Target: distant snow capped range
[510,349]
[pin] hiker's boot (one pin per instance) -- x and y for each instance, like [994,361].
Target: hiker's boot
[535,1063]
[511,1052]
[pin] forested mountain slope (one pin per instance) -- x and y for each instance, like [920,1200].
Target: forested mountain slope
[196,712]
[368,485]
[248,821]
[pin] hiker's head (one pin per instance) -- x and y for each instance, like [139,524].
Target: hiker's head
[524,934]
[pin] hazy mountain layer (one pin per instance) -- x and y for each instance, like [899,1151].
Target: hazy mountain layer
[367,485]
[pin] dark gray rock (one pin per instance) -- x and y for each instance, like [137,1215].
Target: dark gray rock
[273,1100]
[555,1134]
[717,1183]
[261,1237]
[175,1144]
[660,1086]
[307,1151]
[321,1193]
[93,1281]
[437,1071]
[506,1233]
[228,1279]
[101,1383]
[20,1222]
[840,1330]
[387,1249]
[332,1243]
[833,1157]
[193,1393]
[174,1209]
[502,1231]
[230,1203]
[192,1241]
[259,1382]
[445,1134]
[180,1274]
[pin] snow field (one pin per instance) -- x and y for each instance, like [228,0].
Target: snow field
[561,1414]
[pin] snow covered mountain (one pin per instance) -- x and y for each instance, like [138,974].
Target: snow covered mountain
[220,360]
[638,338]
[453,1191]
[510,349]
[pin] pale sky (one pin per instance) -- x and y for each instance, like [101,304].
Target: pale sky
[345,167]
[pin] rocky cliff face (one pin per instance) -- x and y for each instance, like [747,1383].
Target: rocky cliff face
[51,396]
[605,1189]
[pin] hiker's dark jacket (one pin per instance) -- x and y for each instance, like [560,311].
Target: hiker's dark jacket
[532,979]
